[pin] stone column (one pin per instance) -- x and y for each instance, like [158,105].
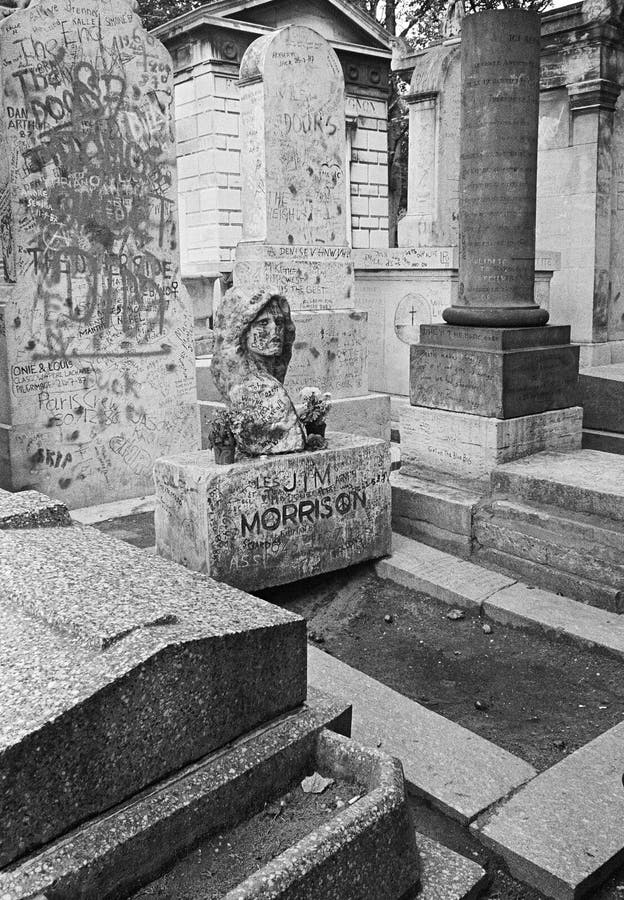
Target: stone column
[496,383]
[294,205]
[97,352]
[498,165]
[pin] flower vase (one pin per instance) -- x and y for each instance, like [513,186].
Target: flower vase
[316,428]
[224,454]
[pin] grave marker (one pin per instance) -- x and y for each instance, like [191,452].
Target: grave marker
[97,342]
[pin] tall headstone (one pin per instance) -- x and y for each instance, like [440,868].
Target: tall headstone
[294,204]
[495,383]
[97,331]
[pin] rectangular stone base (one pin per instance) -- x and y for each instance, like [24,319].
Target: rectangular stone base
[272,520]
[502,372]
[472,446]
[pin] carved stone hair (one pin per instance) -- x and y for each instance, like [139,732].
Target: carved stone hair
[232,361]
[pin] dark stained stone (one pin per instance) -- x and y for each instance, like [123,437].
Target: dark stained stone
[601,391]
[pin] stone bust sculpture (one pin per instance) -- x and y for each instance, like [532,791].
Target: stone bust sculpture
[254,336]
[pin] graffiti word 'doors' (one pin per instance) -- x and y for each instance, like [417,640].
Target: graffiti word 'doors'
[305,511]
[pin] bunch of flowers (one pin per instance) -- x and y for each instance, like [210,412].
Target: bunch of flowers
[316,405]
[220,431]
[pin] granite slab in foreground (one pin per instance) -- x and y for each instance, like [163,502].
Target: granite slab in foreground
[118,669]
[272,520]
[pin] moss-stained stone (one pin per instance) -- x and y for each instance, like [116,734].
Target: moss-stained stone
[119,669]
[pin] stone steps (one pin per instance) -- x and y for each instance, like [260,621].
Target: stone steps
[588,554]
[584,481]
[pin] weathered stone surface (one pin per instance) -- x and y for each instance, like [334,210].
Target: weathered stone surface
[586,481]
[117,666]
[502,384]
[273,520]
[312,278]
[331,353]
[563,833]
[30,509]
[446,875]
[565,543]
[434,513]
[97,325]
[557,615]
[368,849]
[460,772]
[601,390]
[453,581]
[500,54]
[119,852]
[254,336]
[550,579]
[472,446]
[293,135]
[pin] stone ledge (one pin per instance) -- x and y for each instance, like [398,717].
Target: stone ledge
[459,772]
[121,851]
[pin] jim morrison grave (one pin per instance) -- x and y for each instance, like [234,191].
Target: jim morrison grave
[291,505]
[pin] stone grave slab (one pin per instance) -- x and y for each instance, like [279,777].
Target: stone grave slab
[116,669]
[271,520]
[563,833]
[472,446]
[459,772]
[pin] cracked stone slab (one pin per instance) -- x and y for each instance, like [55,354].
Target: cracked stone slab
[563,833]
[117,668]
[458,771]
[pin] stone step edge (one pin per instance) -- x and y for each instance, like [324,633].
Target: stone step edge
[173,811]
[573,587]
[511,604]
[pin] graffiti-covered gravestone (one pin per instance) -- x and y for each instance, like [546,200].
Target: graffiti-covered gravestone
[275,519]
[295,214]
[98,366]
